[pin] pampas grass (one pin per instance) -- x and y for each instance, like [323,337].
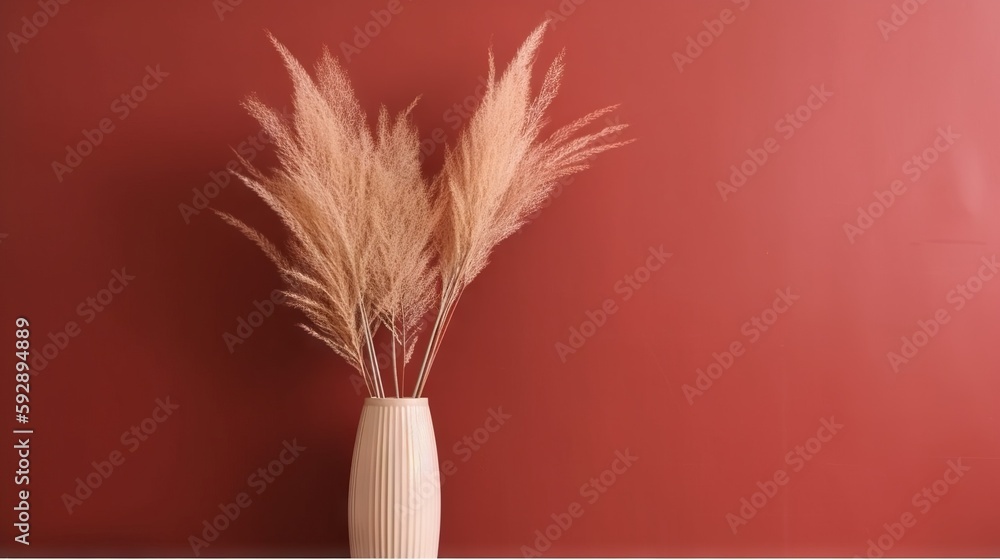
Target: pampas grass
[374,246]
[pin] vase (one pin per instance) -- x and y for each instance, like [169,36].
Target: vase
[394,501]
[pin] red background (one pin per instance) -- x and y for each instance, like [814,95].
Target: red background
[624,388]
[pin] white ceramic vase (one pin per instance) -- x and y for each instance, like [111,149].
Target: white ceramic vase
[394,502]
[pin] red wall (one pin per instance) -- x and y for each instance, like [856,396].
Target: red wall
[864,100]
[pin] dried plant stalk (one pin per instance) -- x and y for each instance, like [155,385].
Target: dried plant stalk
[373,244]
[501,171]
[358,211]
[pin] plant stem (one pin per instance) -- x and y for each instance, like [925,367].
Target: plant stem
[402,363]
[395,373]
[433,345]
[371,353]
[364,375]
[444,329]
[445,289]
[447,307]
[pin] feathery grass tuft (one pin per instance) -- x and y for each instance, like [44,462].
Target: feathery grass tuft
[373,244]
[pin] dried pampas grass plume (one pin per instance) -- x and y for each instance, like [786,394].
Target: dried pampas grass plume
[501,171]
[372,244]
[358,212]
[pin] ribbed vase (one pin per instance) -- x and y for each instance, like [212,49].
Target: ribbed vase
[394,503]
